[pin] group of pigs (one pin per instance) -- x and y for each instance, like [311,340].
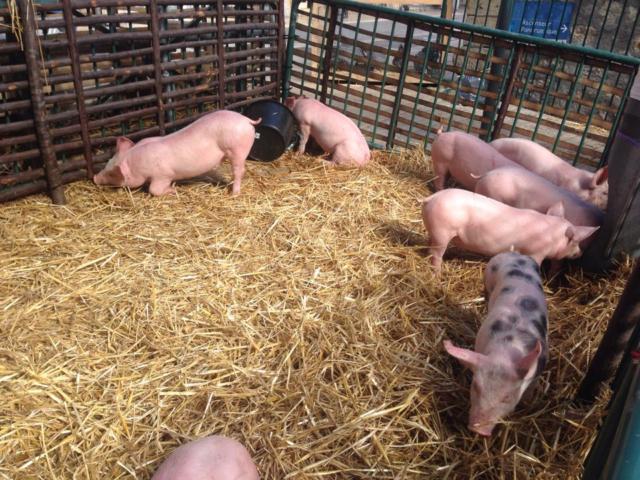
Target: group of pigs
[523,205]
[201,146]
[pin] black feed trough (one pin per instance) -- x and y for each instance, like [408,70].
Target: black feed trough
[276,131]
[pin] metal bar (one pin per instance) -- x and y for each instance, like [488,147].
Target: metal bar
[384,79]
[408,39]
[293,18]
[518,37]
[326,62]
[222,74]
[616,121]
[546,96]
[527,79]
[366,78]
[54,180]
[280,46]
[572,92]
[77,85]
[591,115]
[157,62]
[352,63]
[506,99]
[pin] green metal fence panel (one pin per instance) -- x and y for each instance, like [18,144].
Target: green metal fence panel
[402,76]
[611,25]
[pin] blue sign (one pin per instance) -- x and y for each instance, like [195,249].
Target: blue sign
[543,18]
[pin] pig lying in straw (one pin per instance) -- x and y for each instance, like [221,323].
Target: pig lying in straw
[511,345]
[210,458]
[334,132]
[465,157]
[488,227]
[187,153]
[521,188]
[591,187]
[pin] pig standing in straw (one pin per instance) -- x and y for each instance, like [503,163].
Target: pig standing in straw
[521,188]
[210,458]
[511,345]
[591,187]
[187,153]
[488,227]
[465,157]
[334,132]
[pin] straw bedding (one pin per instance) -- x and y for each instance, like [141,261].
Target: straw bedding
[301,318]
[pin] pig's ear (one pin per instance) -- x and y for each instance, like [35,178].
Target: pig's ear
[468,358]
[556,210]
[527,365]
[579,234]
[600,177]
[123,144]
[289,101]
[114,176]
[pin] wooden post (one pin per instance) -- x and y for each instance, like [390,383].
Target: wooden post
[34,66]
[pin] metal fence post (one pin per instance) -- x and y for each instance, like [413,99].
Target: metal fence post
[34,66]
[504,16]
[393,122]
[326,61]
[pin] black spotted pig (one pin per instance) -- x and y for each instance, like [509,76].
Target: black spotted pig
[592,187]
[488,227]
[334,132]
[465,157]
[521,188]
[209,458]
[511,345]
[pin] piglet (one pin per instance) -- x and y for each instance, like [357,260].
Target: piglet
[521,188]
[592,187]
[187,153]
[488,227]
[210,458]
[465,157]
[511,345]
[334,132]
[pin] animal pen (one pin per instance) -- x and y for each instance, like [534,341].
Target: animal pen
[299,318]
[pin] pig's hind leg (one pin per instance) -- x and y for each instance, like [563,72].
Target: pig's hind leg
[438,242]
[305,133]
[441,171]
[238,161]
[161,187]
[348,154]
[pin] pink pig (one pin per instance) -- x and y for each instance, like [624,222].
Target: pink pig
[489,227]
[521,188]
[465,157]
[210,458]
[187,153]
[511,345]
[591,187]
[334,132]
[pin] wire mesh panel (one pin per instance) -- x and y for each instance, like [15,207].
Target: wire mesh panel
[128,67]
[403,76]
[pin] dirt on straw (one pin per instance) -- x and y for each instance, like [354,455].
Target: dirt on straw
[301,318]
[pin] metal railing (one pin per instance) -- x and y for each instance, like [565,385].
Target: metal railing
[401,76]
[92,70]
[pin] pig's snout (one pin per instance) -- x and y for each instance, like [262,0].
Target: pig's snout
[481,428]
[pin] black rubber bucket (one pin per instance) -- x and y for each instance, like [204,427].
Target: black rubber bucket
[276,131]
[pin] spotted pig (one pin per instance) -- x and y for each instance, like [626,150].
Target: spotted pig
[511,345]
